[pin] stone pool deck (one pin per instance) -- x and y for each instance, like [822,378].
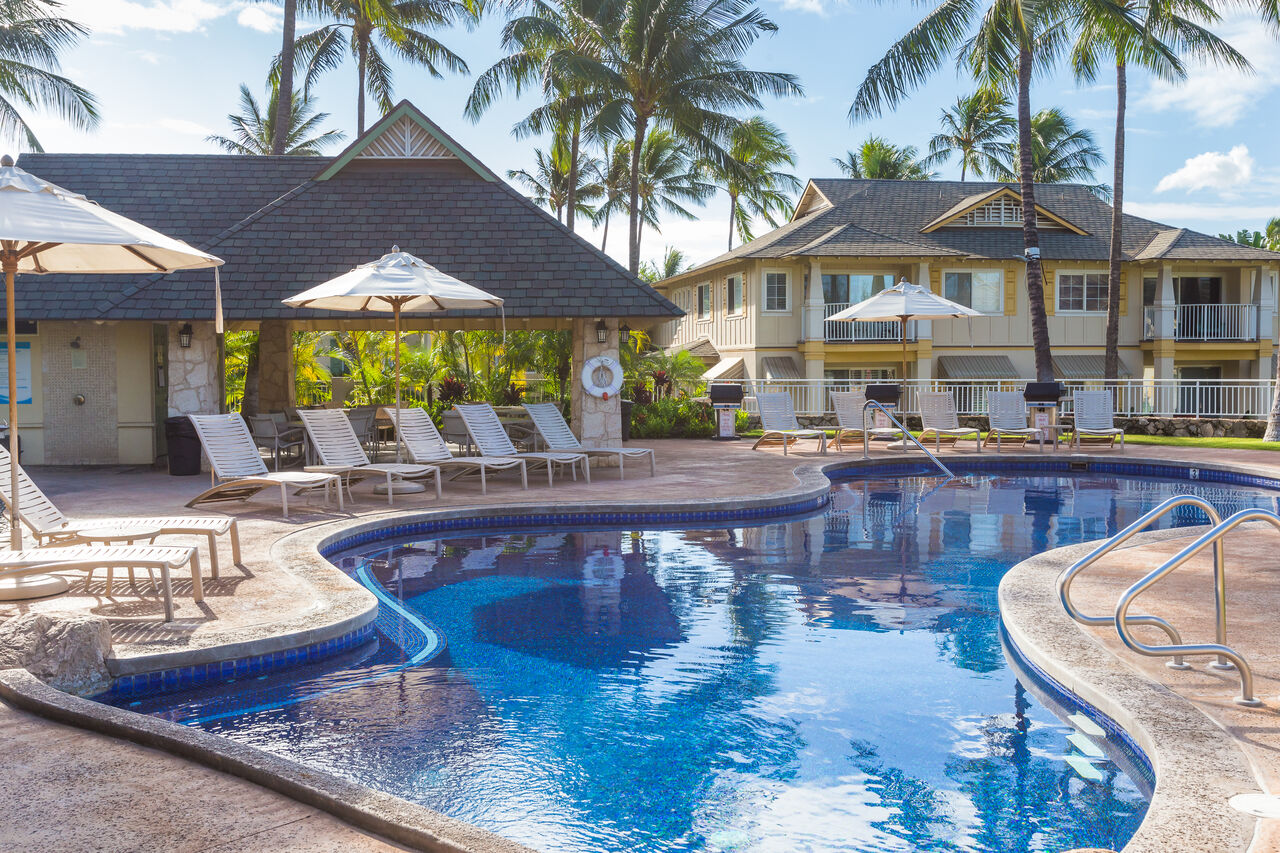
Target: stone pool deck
[284,590]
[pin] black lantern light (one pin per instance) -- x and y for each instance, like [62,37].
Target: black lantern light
[184,336]
[602,332]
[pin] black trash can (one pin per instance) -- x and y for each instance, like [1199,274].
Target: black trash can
[184,446]
[626,420]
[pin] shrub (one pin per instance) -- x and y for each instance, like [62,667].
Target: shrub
[673,418]
[451,391]
[511,396]
[640,394]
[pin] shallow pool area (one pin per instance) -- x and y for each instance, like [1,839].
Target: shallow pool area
[828,682]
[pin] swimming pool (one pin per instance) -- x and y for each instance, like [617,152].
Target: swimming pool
[827,682]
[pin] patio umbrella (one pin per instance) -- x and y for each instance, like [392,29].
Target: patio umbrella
[46,229]
[904,301]
[395,282]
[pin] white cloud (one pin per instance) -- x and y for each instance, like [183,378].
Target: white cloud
[1213,170]
[264,19]
[169,16]
[816,7]
[181,125]
[1181,212]
[147,56]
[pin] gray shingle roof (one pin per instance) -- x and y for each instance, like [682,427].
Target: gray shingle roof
[281,232]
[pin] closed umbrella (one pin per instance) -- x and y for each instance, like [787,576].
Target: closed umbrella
[47,229]
[395,282]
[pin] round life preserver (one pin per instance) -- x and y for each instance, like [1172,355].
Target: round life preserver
[602,377]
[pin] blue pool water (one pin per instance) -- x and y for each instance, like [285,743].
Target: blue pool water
[831,682]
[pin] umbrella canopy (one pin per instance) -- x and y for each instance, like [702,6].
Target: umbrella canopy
[47,229]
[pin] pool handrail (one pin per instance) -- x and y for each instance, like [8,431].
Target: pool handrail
[866,440]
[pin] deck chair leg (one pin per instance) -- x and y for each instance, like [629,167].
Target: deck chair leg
[235,542]
[524,475]
[213,555]
[391,492]
[573,471]
[197,583]
[586,468]
[484,485]
[621,475]
[439,485]
[167,590]
[653,464]
[549,467]
[284,500]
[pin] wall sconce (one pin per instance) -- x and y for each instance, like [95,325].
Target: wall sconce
[184,336]
[624,329]
[602,332]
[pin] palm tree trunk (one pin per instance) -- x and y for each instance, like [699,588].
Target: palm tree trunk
[964,165]
[604,240]
[633,251]
[1030,231]
[733,211]
[575,140]
[362,56]
[1273,420]
[284,98]
[1111,362]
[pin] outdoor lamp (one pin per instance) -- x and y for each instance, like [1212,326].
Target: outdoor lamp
[602,332]
[184,336]
[624,329]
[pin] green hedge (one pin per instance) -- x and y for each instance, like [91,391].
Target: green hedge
[676,417]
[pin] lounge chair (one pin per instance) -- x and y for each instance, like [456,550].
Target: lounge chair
[557,435]
[939,419]
[1007,415]
[492,440]
[339,450]
[238,470]
[89,558]
[778,419]
[50,526]
[270,435]
[427,447]
[1095,420]
[850,407]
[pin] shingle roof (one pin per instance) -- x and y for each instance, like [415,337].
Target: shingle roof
[281,232]
[871,218]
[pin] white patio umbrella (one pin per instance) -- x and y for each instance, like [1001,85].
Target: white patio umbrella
[904,301]
[47,229]
[395,282]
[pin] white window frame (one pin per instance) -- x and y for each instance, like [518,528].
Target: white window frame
[729,310]
[971,270]
[1057,293]
[893,276]
[764,292]
[697,302]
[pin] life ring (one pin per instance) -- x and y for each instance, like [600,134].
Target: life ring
[602,377]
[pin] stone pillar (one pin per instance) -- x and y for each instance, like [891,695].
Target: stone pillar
[193,371]
[276,390]
[812,326]
[597,422]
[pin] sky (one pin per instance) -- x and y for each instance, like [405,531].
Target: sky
[167,72]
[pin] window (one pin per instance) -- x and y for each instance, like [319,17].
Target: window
[704,301]
[859,374]
[981,290]
[842,289]
[776,292]
[1149,286]
[733,286]
[1082,291]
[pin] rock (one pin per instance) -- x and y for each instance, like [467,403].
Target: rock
[1238,430]
[1181,432]
[1206,430]
[65,650]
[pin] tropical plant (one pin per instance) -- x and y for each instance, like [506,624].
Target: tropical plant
[614,178]
[668,180]
[880,159]
[240,350]
[253,129]
[975,129]
[676,64]
[486,362]
[1061,153]
[553,359]
[1269,239]
[674,373]
[31,38]
[756,186]
[551,183]
[312,352]
[371,31]
[673,263]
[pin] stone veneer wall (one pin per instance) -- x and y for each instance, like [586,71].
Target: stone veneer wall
[276,390]
[79,434]
[193,372]
[597,422]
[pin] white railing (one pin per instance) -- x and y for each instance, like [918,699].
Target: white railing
[878,330]
[1205,322]
[1206,398]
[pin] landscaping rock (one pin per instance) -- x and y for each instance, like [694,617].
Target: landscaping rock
[65,650]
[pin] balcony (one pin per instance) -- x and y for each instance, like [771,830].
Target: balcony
[1205,322]
[842,332]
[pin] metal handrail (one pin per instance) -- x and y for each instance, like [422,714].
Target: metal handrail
[1069,575]
[1211,537]
[866,440]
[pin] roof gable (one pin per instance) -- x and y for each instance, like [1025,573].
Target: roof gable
[405,134]
[812,199]
[998,208]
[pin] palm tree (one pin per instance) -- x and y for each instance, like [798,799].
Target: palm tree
[1061,152]
[756,187]
[673,263]
[1269,239]
[284,81]
[676,64]
[31,37]
[1170,28]
[666,179]
[550,183]
[365,28]
[254,129]
[614,178]
[880,159]
[975,128]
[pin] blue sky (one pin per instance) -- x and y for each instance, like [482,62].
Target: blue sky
[1200,155]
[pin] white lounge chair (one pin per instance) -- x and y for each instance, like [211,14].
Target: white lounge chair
[1095,419]
[849,408]
[492,440]
[1007,416]
[778,419]
[939,419]
[238,470]
[340,452]
[557,435]
[50,526]
[427,446]
[89,558]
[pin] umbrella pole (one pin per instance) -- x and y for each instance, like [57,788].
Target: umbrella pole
[395,309]
[903,321]
[10,262]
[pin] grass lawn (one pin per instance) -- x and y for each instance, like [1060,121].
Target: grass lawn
[1164,440]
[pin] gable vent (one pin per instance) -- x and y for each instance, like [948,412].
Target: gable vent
[405,140]
[1003,211]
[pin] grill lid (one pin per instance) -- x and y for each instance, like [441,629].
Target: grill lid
[1043,392]
[885,394]
[725,393]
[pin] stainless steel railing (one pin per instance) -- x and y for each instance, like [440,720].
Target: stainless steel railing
[866,436]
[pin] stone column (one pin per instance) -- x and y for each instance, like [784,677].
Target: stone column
[812,327]
[193,371]
[275,365]
[597,422]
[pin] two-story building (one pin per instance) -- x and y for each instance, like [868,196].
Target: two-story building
[1193,306]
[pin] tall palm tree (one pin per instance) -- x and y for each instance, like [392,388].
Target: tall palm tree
[1061,152]
[975,128]
[366,28]
[674,262]
[614,177]
[675,64]
[880,159]
[284,81]
[756,185]
[550,182]
[254,129]
[665,181]
[31,38]
[1170,29]
[1269,239]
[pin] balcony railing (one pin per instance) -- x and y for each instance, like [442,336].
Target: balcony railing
[1208,322]
[842,331]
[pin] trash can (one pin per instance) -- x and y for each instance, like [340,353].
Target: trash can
[184,446]
[626,420]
